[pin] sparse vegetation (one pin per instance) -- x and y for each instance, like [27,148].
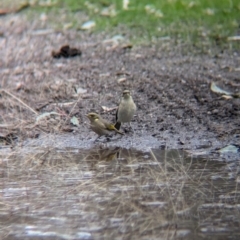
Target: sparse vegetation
[186,19]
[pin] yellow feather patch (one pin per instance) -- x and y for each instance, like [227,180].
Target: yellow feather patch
[111,127]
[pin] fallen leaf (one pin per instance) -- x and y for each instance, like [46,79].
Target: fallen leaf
[107,109]
[66,51]
[234,38]
[88,25]
[217,89]
[74,121]
[45,115]
[127,46]
[150,9]
[120,80]
[230,148]
[48,3]
[19,8]
[42,32]
[114,40]
[109,11]
[81,90]
[227,97]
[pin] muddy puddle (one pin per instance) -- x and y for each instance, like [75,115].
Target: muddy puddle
[57,183]
[117,193]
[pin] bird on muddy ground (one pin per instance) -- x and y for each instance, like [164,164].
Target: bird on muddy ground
[126,110]
[100,125]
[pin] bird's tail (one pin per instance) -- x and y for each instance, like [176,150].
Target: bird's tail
[117,125]
[111,127]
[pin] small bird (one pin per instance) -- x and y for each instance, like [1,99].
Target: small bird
[100,125]
[126,109]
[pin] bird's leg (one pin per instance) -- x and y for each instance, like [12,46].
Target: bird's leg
[129,128]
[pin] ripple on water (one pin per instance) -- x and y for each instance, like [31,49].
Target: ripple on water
[116,192]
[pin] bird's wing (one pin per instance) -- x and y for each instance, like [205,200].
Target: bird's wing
[102,123]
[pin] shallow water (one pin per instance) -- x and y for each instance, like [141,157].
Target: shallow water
[117,193]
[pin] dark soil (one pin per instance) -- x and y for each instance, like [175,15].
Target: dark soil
[170,84]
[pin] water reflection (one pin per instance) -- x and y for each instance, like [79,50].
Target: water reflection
[117,193]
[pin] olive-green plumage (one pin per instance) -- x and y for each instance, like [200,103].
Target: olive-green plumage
[100,125]
[126,110]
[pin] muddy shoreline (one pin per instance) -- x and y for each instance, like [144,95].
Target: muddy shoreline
[171,88]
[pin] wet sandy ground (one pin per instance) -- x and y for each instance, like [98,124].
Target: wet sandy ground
[170,85]
[57,183]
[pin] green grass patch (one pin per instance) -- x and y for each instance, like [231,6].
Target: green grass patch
[150,19]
